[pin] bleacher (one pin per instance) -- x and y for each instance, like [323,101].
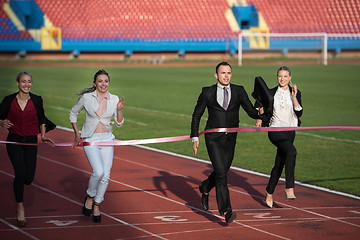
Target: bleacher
[8,31]
[129,19]
[174,25]
[307,16]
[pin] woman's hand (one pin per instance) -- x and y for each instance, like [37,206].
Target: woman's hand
[6,123]
[258,122]
[77,140]
[48,141]
[294,91]
[121,103]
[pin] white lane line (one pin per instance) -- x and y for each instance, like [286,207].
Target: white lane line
[189,117]
[317,136]
[18,229]
[80,204]
[327,138]
[245,193]
[162,197]
[84,227]
[230,227]
[241,124]
[247,171]
[204,119]
[318,214]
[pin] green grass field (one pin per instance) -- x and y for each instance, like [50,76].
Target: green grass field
[160,102]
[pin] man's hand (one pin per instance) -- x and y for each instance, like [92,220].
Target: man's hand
[261,110]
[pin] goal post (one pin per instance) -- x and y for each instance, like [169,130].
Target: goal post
[284,42]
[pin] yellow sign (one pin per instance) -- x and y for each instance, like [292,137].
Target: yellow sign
[51,38]
[259,42]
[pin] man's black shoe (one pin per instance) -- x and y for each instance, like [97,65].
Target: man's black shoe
[204,199]
[230,216]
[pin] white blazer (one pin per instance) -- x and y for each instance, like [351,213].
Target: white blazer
[90,103]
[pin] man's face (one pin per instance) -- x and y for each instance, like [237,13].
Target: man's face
[223,75]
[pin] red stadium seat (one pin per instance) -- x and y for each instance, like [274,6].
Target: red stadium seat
[161,15]
[310,16]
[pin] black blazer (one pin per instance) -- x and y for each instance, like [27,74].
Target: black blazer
[38,103]
[217,116]
[267,117]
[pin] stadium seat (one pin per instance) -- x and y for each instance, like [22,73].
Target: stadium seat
[310,16]
[143,16]
[8,30]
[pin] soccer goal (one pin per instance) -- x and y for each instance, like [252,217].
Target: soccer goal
[283,42]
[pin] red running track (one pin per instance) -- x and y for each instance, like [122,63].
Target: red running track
[154,195]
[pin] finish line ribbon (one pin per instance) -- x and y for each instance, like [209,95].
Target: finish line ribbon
[217,130]
[187,137]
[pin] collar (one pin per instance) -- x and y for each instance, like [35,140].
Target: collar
[222,87]
[107,95]
[282,90]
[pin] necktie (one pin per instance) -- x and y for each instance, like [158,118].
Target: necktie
[226,98]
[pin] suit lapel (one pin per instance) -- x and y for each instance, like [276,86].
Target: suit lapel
[234,95]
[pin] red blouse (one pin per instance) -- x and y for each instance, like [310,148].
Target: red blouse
[25,122]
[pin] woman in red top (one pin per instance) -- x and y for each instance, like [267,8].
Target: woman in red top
[22,113]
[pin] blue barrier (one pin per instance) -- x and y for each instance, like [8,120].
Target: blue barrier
[176,45]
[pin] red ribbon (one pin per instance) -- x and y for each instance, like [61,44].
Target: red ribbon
[187,137]
[228,130]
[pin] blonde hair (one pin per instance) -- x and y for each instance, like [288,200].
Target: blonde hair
[22,74]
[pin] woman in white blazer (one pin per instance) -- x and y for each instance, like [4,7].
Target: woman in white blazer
[100,106]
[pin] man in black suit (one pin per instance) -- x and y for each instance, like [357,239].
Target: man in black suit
[223,102]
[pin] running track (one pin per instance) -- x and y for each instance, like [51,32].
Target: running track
[154,195]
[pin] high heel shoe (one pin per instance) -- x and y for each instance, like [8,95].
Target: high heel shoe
[20,223]
[97,218]
[86,211]
[289,196]
[269,202]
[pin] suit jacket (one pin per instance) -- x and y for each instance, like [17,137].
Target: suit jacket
[217,116]
[90,103]
[266,119]
[38,103]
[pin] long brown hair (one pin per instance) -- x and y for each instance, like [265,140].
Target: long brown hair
[93,88]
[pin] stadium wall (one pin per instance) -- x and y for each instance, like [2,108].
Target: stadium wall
[180,47]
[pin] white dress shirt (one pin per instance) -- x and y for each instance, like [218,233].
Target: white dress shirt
[220,94]
[90,103]
[283,113]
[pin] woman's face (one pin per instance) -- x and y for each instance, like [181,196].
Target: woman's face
[102,83]
[283,78]
[24,84]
